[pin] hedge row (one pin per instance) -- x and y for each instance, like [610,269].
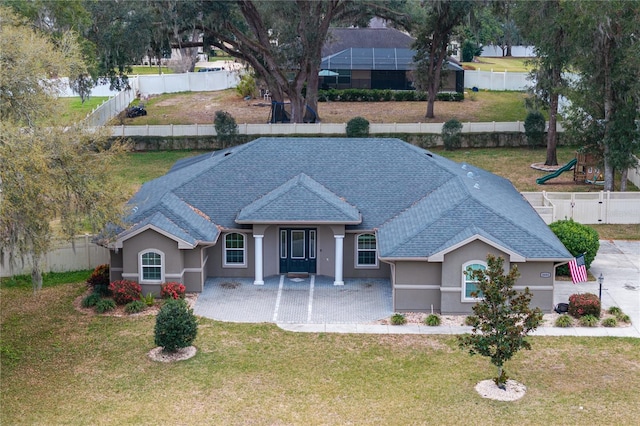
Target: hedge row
[382,95]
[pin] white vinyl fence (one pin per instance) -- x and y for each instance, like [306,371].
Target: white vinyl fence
[601,207]
[63,257]
[173,130]
[496,80]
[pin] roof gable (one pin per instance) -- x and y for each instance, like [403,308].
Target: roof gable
[300,200]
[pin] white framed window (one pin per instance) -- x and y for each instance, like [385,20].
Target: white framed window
[469,283]
[366,251]
[151,266]
[235,250]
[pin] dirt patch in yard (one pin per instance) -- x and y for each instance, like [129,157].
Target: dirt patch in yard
[200,108]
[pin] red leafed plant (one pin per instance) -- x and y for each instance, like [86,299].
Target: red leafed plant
[125,291]
[172,290]
[581,304]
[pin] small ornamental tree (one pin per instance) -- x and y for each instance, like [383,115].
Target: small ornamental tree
[503,317]
[226,128]
[534,126]
[451,134]
[176,326]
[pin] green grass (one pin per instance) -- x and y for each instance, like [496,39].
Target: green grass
[500,106]
[72,110]
[137,168]
[149,70]
[88,369]
[501,64]
[49,279]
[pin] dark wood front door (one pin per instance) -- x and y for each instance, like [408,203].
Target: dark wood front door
[298,250]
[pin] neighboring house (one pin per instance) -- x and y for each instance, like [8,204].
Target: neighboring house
[344,208]
[376,58]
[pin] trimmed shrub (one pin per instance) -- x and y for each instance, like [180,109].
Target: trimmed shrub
[578,239]
[358,127]
[564,321]
[125,291]
[534,127]
[610,322]
[172,291]
[105,305]
[176,326]
[589,321]
[584,304]
[450,96]
[135,307]
[623,318]
[398,319]
[99,280]
[614,310]
[451,134]
[91,300]
[432,320]
[471,320]
[226,127]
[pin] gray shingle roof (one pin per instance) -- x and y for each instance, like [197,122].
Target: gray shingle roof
[340,39]
[419,202]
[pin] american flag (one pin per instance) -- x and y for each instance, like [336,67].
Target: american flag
[578,269]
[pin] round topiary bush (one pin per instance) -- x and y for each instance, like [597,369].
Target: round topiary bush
[451,131]
[584,304]
[358,127]
[226,127]
[578,239]
[534,127]
[176,326]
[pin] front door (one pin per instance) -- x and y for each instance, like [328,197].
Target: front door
[298,250]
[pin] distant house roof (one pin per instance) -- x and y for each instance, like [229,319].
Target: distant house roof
[375,59]
[340,39]
[420,204]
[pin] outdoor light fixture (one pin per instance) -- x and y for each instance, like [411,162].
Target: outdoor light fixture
[600,280]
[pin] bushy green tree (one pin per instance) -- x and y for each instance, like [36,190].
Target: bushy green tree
[578,239]
[451,137]
[534,125]
[358,127]
[176,326]
[502,318]
[226,127]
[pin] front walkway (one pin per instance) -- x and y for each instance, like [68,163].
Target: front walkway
[282,300]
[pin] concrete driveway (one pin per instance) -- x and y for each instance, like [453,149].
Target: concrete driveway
[311,300]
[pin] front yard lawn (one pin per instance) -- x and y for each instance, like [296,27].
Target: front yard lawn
[60,366]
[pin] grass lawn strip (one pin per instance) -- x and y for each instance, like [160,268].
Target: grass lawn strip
[95,370]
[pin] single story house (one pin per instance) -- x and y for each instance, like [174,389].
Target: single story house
[344,208]
[376,58]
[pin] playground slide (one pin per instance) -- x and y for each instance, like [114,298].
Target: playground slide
[565,168]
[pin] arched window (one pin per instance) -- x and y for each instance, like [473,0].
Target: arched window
[366,251]
[151,266]
[235,249]
[469,283]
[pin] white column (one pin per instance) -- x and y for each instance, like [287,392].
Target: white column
[339,259]
[258,262]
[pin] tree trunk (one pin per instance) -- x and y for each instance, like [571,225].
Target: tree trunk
[552,134]
[36,274]
[623,179]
